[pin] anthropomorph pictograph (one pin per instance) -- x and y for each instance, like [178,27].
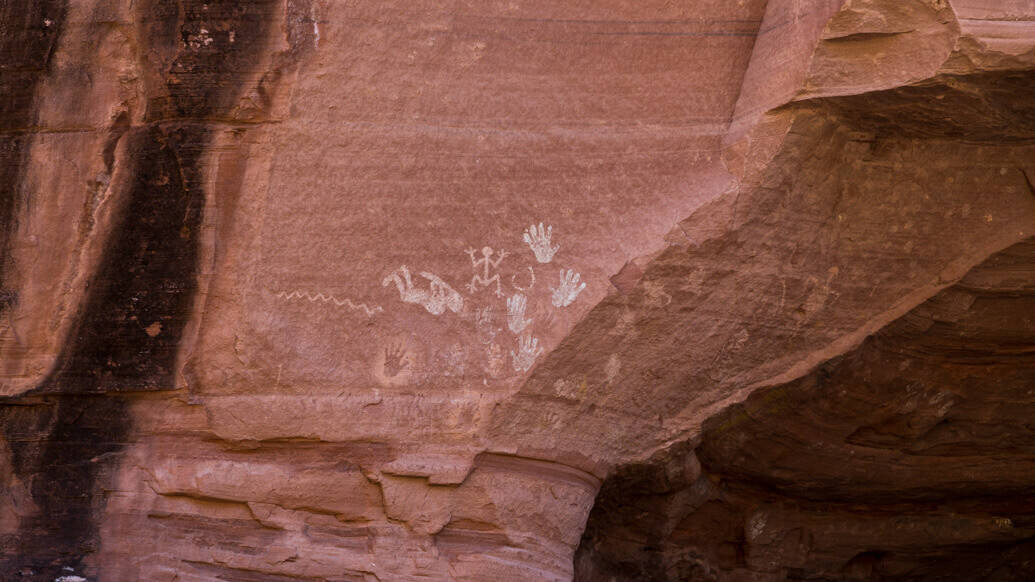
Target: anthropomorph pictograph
[436,299]
[486,264]
[538,240]
[568,290]
[528,351]
[516,305]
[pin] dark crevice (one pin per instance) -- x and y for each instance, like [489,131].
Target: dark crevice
[983,108]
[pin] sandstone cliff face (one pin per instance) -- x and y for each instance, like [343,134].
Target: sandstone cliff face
[327,290]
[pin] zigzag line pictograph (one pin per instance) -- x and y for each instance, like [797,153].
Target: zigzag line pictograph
[299,294]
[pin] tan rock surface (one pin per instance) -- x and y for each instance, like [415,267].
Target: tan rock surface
[322,290]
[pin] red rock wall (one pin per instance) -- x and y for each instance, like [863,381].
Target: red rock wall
[301,289]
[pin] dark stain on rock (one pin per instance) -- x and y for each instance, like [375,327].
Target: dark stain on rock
[64,436]
[28,34]
[213,52]
[139,300]
[61,448]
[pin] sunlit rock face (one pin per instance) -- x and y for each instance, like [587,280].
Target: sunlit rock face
[354,291]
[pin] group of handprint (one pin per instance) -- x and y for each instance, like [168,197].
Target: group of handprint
[539,240]
[485,264]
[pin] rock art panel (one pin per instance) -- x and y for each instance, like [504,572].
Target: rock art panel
[314,290]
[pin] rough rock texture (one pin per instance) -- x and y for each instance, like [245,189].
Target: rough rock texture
[335,290]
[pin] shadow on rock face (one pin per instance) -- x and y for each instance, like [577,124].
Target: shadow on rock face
[909,458]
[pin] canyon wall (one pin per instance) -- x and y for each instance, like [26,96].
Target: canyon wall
[355,291]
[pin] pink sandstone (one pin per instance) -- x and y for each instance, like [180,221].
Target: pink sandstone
[512,291]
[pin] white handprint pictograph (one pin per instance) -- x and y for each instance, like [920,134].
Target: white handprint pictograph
[568,290]
[528,351]
[538,239]
[516,305]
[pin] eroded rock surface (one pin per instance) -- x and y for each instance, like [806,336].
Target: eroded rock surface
[314,290]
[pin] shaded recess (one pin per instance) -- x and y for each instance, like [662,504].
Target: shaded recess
[63,435]
[989,107]
[910,458]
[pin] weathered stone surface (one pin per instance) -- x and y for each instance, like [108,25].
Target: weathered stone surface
[317,290]
[907,457]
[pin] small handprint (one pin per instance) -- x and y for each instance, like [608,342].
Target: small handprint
[395,360]
[538,239]
[568,290]
[516,313]
[528,351]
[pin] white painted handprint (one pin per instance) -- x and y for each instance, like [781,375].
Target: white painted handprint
[568,290]
[538,239]
[516,305]
[528,351]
